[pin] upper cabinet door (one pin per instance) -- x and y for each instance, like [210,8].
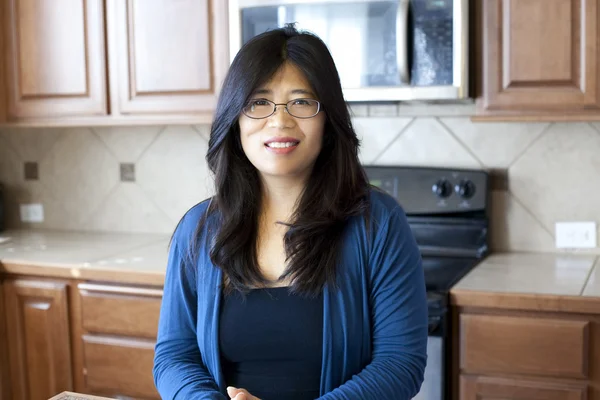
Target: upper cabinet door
[169,56]
[54,58]
[540,56]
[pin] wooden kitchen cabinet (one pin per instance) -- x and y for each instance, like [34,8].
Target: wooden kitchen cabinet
[526,353]
[161,62]
[4,372]
[38,338]
[3,92]
[166,57]
[118,332]
[481,387]
[69,335]
[54,58]
[539,59]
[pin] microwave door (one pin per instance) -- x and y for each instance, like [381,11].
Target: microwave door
[270,3]
[385,50]
[251,17]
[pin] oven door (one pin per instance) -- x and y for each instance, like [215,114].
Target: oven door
[433,387]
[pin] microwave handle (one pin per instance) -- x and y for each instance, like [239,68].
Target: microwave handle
[402,41]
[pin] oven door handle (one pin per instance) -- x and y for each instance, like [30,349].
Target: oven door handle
[402,41]
[434,322]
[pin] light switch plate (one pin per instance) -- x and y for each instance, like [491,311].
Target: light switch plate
[32,212]
[575,235]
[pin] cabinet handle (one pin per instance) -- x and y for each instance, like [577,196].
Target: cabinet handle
[402,41]
[92,287]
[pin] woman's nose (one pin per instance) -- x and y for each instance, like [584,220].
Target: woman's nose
[281,118]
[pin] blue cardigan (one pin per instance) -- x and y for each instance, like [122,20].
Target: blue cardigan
[375,322]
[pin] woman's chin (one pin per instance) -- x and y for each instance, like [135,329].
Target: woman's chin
[284,172]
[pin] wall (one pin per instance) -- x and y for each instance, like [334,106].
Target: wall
[552,169]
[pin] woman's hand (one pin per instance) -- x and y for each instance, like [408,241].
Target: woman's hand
[240,394]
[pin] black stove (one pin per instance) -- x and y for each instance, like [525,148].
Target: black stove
[447,210]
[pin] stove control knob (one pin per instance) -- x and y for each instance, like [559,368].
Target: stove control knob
[465,189]
[442,188]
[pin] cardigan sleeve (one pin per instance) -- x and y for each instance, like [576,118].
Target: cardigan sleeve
[399,316]
[179,372]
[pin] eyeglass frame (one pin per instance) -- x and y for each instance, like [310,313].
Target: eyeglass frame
[319,108]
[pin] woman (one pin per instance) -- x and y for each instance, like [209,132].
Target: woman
[297,280]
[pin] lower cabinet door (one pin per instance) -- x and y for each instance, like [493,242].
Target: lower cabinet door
[119,367]
[475,387]
[4,365]
[37,330]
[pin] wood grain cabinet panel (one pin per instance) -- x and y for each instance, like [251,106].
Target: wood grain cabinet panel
[118,367]
[120,310]
[38,338]
[3,92]
[54,58]
[524,345]
[4,363]
[540,56]
[166,56]
[488,388]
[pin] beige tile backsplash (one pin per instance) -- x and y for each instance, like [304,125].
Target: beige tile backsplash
[553,169]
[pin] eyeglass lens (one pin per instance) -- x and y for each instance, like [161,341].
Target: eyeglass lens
[300,108]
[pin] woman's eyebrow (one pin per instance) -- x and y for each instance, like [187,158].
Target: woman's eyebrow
[302,91]
[294,91]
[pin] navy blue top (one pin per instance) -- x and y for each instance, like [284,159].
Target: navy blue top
[374,318]
[271,343]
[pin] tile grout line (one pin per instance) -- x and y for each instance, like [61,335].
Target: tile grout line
[92,212]
[460,142]
[11,147]
[158,207]
[48,193]
[542,133]
[53,145]
[386,148]
[143,152]
[526,149]
[595,264]
[103,201]
[593,127]
[97,135]
[535,217]
[140,187]
[200,133]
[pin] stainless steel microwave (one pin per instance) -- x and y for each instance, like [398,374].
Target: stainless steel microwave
[385,50]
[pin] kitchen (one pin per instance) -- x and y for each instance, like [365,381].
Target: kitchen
[100,131]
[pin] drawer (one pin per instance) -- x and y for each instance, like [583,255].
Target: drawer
[489,387]
[120,310]
[524,345]
[118,367]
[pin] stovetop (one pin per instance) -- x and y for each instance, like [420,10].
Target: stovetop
[447,210]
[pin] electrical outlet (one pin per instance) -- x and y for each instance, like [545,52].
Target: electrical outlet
[575,235]
[32,212]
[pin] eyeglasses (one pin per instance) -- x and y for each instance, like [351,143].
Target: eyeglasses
[299,108]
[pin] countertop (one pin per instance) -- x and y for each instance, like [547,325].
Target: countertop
[535,281]
[77,396]
[142,259]
[113,257]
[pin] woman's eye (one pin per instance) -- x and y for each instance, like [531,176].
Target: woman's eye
[300,102]
[257,103]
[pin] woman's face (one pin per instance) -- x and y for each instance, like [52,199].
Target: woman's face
[282,145]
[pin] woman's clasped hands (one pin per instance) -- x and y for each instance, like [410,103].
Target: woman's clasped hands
[239,394]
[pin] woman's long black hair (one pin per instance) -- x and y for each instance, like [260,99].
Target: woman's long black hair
[336,190]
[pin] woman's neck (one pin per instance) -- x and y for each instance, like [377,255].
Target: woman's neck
[280,197]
